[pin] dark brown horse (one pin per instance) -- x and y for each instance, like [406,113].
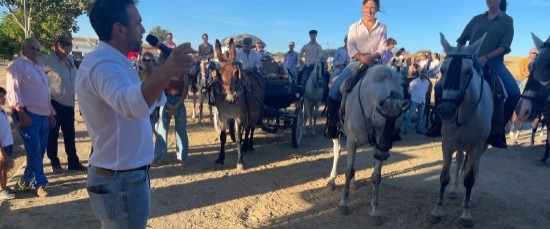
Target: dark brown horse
[240,99]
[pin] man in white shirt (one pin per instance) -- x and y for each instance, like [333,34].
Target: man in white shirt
[248,58]
[312,52]
[116,106]
[418,89]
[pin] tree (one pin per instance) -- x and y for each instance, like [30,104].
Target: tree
[159,32]
[45,20]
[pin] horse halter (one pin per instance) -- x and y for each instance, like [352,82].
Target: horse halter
[454,84]
[389,124]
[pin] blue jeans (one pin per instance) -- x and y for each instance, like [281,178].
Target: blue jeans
[121,200]
[509,84]
[35,139]
[182,142]
[415,110]
[348,71]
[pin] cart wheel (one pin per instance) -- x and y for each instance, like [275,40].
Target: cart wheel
[297,128]
[231,127]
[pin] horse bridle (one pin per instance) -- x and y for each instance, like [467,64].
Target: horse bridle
[458,101]
[389,125]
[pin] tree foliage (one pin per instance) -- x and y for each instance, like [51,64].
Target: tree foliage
[159,32]
[46,20]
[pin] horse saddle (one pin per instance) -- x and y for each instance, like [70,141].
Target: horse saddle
[351,81]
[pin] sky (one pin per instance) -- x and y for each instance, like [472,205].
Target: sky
[414,24]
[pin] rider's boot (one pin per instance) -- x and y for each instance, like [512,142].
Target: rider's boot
[333,106]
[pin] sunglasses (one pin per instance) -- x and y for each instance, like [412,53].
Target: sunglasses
[534,53]
[147,60]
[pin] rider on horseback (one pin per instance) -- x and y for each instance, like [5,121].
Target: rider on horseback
[312,52]
[499,30]
[366,43]
[206,53]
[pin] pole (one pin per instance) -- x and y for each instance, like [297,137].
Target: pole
[25,18]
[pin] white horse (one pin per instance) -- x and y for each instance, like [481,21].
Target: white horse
[314,88]
[373,114]
[466,110]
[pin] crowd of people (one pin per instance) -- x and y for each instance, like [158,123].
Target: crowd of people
[123,107]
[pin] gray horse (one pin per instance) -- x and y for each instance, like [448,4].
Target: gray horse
[373,114]
[315,86]
[466,110]
[536,93]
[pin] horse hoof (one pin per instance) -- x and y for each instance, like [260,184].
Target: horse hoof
[343,210]
[240,167]
[435,219]
[331,186]
[468,223]
[377,220]
[452,195]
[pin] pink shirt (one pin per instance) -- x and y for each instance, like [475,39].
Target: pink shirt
[27,86]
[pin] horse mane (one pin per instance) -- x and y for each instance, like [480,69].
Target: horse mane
[380,74]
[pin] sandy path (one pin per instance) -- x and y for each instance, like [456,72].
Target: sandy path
[285,188]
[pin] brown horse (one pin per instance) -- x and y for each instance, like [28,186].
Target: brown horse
[241,99]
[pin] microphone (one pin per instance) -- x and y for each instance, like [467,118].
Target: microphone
[154,41]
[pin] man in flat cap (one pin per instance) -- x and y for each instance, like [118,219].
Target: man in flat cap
[61,72]
[248,59]
[312,52]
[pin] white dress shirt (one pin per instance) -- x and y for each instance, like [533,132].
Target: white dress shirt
[361,40]
[6,139]
[114,110]
[248,61]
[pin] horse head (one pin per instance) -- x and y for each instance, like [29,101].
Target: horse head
[230,73]
[459,68]
[534,96]
[387,105]
[317,75]
[541,66]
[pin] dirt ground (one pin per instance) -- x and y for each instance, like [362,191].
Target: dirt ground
[284,187]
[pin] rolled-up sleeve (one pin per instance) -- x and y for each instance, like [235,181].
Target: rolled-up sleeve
[121,94]
[13,90]
[508,36]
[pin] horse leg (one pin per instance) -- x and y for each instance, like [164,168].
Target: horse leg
[240,162]
[444,179]
[456,176]
[331,182]
[547,148]
[376,180]
[315,112]
[535,124]
[470,175]
[221,155]
[251,140]
[244,146]
[201,102]
[216,119]
[350,173]
[307,110]
[193,114]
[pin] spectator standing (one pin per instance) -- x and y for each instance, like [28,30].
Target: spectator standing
[61,73]
[417,89]
[290,61]
[29,98]
[525,67]
[116,106]
[6,150]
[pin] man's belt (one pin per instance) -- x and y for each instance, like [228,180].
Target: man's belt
[109,172]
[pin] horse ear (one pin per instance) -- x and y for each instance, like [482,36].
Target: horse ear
[218,49]
[232,51]
[537,40]
[446,46]
[477,45]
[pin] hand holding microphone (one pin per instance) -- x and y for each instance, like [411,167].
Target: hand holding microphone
[178,61]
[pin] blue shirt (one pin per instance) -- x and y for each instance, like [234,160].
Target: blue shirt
[291,60]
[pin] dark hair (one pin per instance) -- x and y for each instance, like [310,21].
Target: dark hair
[503,5]
[105,13]
[375,1]
[391,41]
[169,34]
[205,35]
[2,91]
